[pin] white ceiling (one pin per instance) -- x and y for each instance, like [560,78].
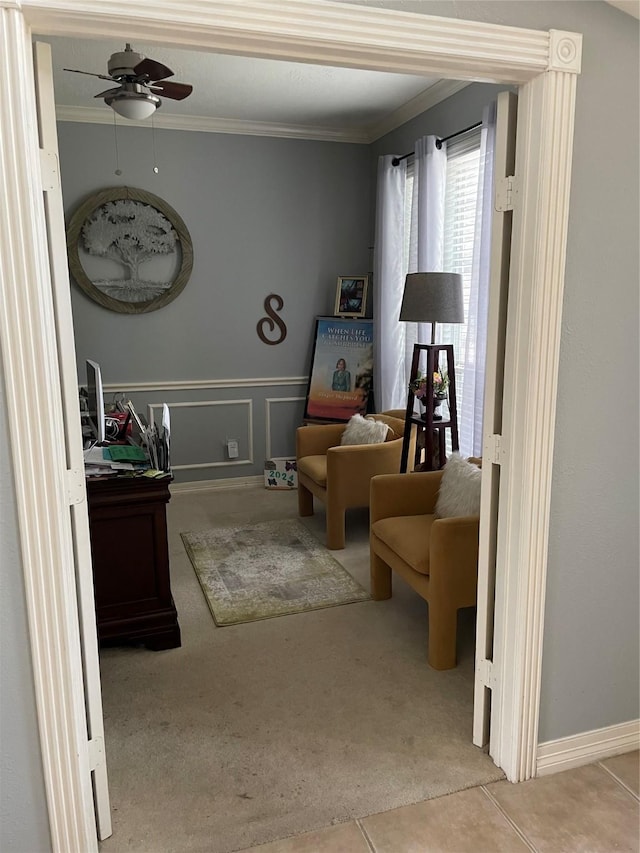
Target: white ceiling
[242,94]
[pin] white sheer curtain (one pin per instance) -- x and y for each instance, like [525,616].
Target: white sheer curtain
[389,270]
[426,238]
[472,403]
[395,340]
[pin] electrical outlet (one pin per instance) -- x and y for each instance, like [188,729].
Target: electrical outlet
[232,448]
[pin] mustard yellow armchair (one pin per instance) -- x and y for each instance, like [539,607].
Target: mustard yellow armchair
[438,557]
[340,476]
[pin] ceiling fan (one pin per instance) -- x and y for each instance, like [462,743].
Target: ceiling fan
[141,81]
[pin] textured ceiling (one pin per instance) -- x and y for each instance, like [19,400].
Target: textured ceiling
[245,89]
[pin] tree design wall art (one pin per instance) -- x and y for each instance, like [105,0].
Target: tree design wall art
[129,250]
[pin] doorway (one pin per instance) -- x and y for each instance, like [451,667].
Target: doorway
[129,694]
[323,34]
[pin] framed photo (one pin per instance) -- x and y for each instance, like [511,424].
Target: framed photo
[351,296]
[341,375]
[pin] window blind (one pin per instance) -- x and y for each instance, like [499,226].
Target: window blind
[461,193]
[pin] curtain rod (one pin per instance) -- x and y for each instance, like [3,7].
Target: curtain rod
[397,160]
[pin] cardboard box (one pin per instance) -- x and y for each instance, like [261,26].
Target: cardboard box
[280,474]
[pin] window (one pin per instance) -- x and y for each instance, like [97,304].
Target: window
[461,193]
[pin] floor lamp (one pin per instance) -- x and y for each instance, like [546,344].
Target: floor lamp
[433,297]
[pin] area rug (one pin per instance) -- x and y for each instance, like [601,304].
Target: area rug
[259,571]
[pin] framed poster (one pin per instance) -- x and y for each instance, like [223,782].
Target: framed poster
[351,296]
[341,375]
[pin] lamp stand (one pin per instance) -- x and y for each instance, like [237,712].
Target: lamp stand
[431,432]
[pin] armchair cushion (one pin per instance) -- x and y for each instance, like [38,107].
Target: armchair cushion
[314,467]
[407,536]
[459,493]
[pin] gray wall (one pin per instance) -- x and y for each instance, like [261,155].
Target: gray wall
[265,216]
[24,824]
[590,663]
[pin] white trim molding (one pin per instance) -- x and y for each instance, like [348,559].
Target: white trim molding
[440,91]
[30,359]
[576,750]
[210,124]
[204,384]
[332,34]
[546,108]
[216,485]
[431,96]
[325,33]
[198,404]
[565,51]
[269,401]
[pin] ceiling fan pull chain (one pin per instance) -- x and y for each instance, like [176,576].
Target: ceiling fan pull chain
[153,143]
[115,136]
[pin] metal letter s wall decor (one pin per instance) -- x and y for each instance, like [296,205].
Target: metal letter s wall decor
[272,320]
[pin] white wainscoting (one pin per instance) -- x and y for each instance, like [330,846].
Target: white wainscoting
[226,463]
[199,384]
[268,403]
[171,388]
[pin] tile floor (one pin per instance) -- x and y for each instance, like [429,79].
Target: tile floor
[590,809]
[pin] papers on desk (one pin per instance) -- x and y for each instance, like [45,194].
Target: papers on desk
[152,459]
[126,453]
[99,461]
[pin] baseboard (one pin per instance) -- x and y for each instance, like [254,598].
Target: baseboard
[215,485]
[565,753]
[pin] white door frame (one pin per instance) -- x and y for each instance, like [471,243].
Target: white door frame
[544,64]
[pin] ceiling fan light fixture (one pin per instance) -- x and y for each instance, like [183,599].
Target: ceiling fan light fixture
[135,106]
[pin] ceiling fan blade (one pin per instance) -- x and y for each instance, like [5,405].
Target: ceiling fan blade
[90,73]
[152,70]
[108,92]
[177,91]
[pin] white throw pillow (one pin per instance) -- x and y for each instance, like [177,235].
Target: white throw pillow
[459,493]
[360,430]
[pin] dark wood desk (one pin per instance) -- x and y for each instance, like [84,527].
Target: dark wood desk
[128,525]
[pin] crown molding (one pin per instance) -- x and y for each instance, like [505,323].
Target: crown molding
[206,124]
[436,93]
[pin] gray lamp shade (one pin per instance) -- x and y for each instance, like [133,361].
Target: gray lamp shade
[432,297]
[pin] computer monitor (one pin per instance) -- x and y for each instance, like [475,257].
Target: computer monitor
[95,401]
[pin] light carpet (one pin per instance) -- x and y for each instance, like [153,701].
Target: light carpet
[259,571]
[255,732]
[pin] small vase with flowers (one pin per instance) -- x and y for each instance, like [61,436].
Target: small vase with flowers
[439,390]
